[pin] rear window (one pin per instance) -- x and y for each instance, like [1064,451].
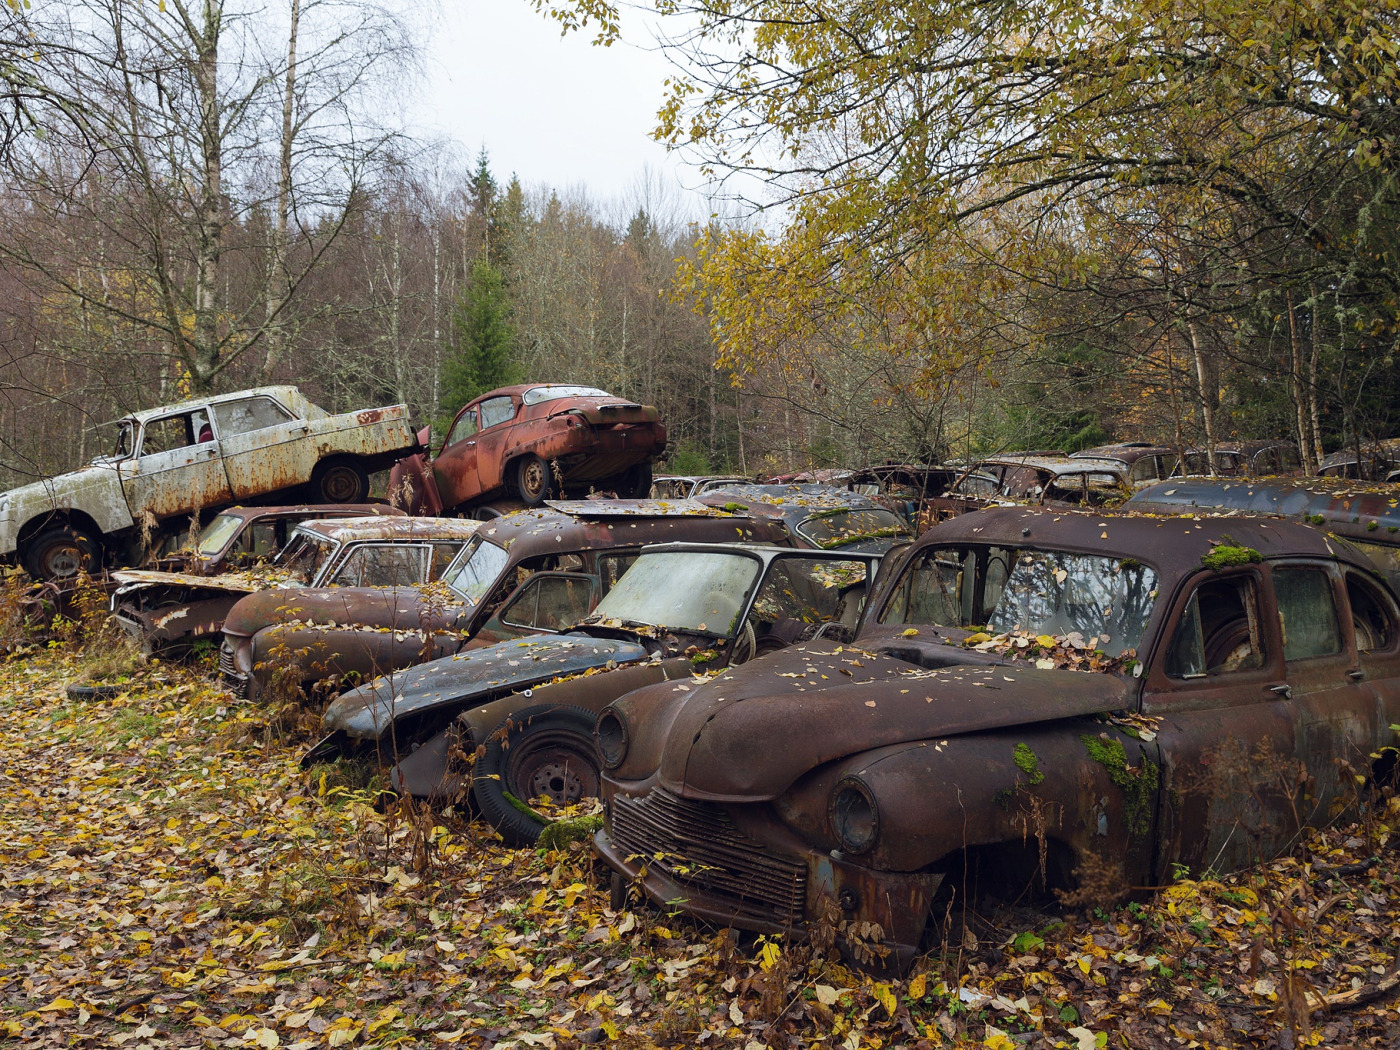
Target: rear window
[833,529]
[552,393]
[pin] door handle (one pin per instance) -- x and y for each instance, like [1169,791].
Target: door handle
[1356,674]
[470,444]
[1285,691]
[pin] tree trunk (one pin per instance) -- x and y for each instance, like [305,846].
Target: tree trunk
[1205,377]
[1300,412]
[209,209]
[275,290]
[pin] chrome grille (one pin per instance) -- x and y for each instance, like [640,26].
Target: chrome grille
[700,846]
[234,681]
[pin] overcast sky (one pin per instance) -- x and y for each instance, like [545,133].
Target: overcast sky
[551,109]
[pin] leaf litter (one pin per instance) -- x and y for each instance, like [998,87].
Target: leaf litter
[169,877]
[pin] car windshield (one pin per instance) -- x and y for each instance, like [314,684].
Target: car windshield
[1027,591]
[553,393]
[476,569]
[305,555]
[830,529]
[700,591]
[217,533]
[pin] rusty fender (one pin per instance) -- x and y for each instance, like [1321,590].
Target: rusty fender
[361,653]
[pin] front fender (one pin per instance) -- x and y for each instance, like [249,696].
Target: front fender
[1083,783]
[358,654]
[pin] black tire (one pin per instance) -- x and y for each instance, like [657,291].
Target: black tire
[532,480]
[57,553]
[96,692]
[340,481]
[635,481]
[543,750]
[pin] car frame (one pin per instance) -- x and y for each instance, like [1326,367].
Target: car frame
[532,441]
[850,786]
[189,459]
[575,548]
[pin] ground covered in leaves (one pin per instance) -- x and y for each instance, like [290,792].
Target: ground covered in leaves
[170,877]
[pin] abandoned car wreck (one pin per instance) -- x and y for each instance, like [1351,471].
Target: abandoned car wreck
[1066,700]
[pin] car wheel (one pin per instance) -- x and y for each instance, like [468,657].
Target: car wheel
[543,751]
[532,480]
[340,481]
[61,552]
[745,646]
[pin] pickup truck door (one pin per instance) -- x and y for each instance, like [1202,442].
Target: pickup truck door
[265,446]
[173,472]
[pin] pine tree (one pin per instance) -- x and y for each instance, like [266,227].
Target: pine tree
[481,357]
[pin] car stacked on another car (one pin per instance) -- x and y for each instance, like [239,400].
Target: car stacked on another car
[181,460]
[530,442]
[1075,699]
[523,573]
[528,704]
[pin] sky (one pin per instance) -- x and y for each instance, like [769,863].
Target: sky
[549,109]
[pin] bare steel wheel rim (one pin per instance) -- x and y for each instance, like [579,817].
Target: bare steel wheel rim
[63,559]
[341,484]
[556,771]
[534,476]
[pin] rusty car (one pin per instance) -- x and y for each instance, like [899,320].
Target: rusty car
[1071,700]
[531,442]
[688,486]
[816,515]
[1365,513]
[680,611]
[187,459]
[1377,460]
[1145,461]
[172,611]
[1255,458]
[527,572]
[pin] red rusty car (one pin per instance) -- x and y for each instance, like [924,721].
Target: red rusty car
[528,442]
[1034,699]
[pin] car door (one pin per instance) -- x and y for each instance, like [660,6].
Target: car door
[1375,633]
[173,472]
[1224,726]
[497,441]
[1336,713]
[265,446]
[454,470]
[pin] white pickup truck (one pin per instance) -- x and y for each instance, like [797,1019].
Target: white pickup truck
[199,455]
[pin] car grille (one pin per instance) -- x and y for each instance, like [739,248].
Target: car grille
[235,682]
[700,846]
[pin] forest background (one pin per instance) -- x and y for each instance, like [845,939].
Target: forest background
[940,230]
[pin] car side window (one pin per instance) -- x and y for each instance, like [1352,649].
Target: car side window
[1307,612]
[550,603]
[259,540]
[612,566]
[166,434]
[248,414]
[464,428]
[1373,616]
[497,410]
[442,556]
[1219,631]
[388,565]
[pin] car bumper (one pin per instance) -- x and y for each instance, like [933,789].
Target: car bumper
[690,856]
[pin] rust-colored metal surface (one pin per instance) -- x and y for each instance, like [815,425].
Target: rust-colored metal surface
[1139,692]
[534,439]
[361,635]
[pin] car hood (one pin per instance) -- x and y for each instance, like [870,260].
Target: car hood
[49,488]
[472,676]
[751,733]
[134,579]
[399,607]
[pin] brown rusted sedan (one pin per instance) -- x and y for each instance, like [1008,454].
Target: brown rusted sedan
[528,572]
[1071,700]
[528,442]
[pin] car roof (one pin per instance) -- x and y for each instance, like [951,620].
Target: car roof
[572,525]
[1173,544]
[338,510]
[794,498]
[1364,510]
[388,527]
[1059,465]
[285,394]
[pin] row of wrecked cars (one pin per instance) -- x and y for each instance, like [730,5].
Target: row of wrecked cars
[786,733]
[793,715]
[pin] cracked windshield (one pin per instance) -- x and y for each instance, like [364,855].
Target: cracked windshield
[1028,591]
[682,590]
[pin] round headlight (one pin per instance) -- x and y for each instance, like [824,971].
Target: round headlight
[612,737]
[854,816]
